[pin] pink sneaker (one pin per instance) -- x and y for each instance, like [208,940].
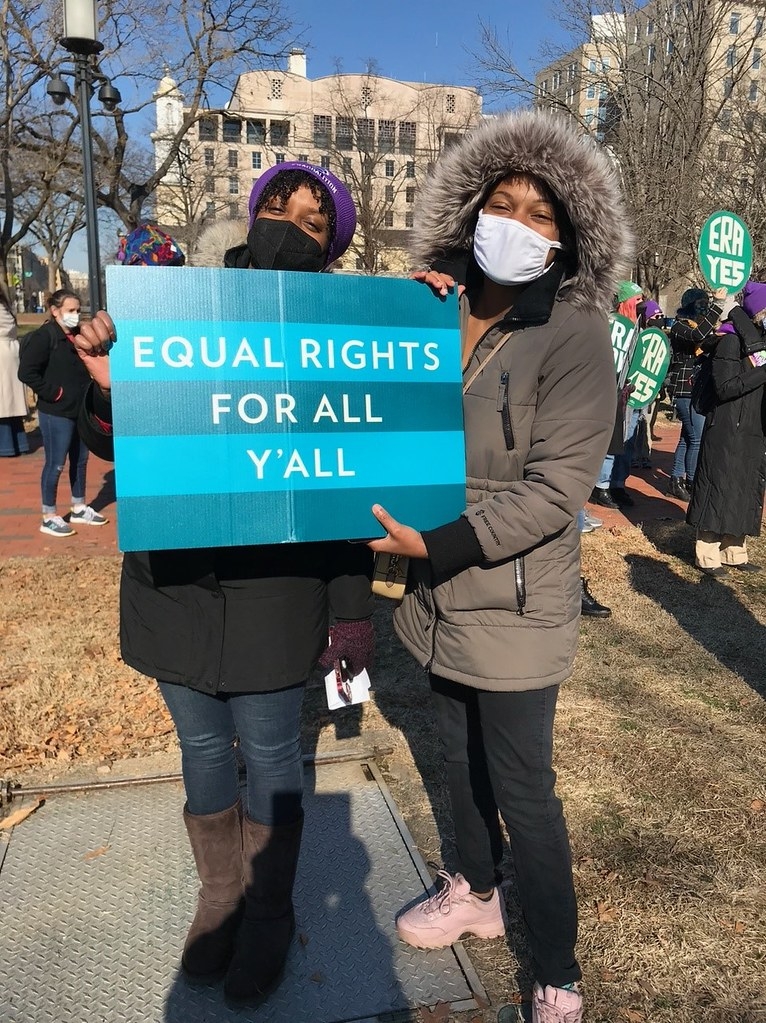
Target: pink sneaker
[451,912]
[556,1005]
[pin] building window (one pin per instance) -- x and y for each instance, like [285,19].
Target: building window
[590,92]
[734,22]
[571,72]
[650,27]
[669,47]
[322,131]
[233,186]
[409,195]
[279,133]
[749,120]
[650,54]
[757,54]
[606,64]
[722,151]
[544,87]
[325,162]
[407,136]
[590,116]
[450,103]
[210,158]
[208,129]
[366,95]
[279,158]
[569,96]
[728,87]
[409,169]
[556,80]
[256,158]
[365,133]
[232,129]
[233,158]
[758,27]
[753,94]
[387,135]
[635,33]
[592,66]
[210,210]
[389,168]
[724,118]
[303,158]
[276,88]
[233,210]
[388,218]
[389,192]
[209,184]
[255,133]
[731,56]
[344,132]
[345,164]
[409,219]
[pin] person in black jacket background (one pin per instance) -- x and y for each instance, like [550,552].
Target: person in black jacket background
[727,499]
[232,635]
[49,364]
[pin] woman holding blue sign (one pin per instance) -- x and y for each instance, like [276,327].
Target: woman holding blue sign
[232,634]
[529,216]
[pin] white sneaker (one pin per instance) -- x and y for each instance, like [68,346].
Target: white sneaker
[88,517]
[55,526]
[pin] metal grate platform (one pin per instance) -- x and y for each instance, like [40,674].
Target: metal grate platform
[99,939]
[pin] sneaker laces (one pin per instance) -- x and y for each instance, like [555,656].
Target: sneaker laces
[441,901]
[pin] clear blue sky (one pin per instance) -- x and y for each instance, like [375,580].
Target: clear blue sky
[407,39]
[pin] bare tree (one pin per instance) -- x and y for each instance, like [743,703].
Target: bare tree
[663,80]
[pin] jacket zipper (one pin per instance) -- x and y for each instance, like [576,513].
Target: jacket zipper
[504,410]
[519,572]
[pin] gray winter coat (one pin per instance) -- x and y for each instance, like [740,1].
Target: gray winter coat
[497,604]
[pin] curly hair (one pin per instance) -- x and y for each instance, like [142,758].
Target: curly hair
[284,184]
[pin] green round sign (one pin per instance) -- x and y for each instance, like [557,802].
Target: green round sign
[725,251]
[623,333]
[648,367]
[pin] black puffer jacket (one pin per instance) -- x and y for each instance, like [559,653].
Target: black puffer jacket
[729,484]
[237,619]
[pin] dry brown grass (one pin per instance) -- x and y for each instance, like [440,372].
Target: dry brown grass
[660,753]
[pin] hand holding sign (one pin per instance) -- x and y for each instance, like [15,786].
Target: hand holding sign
[725,252]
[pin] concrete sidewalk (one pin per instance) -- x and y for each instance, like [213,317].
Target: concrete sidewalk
[20,501]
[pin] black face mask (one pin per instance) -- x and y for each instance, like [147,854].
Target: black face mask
[280,245]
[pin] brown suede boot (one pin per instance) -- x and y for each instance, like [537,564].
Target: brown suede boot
[270,859]
[216,841]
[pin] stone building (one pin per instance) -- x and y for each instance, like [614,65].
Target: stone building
[379,135]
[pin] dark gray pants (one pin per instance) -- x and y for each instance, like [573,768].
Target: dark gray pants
[498,749]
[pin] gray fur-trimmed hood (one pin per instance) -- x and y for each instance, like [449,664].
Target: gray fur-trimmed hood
[574,167]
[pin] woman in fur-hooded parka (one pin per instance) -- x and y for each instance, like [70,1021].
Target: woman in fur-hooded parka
[526,213]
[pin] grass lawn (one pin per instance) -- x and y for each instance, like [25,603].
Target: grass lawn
[660,753]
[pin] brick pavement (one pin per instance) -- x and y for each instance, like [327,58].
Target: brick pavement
[20,501]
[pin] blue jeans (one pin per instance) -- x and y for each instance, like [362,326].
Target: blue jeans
[268,726]
[61,441]
[688,447]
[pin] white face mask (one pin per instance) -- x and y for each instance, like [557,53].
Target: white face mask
[70,320]
[509,252]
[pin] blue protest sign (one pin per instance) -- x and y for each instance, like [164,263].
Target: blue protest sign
[263,407]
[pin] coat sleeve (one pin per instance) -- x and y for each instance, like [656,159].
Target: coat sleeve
[349,580]
[35,356]
[570,435]
[733,376]
[94,423]
[686,339]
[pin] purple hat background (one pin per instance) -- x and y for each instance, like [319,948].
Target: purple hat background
[649,309]
[754,298]
[345,211]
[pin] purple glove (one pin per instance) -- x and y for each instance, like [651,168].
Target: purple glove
[353,642]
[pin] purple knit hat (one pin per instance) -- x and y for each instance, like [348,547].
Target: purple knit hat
[345,212]
[753,298]
[649,309]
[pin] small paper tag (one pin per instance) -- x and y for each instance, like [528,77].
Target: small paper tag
[344,692]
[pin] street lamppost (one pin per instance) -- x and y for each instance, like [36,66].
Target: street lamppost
[80,24]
